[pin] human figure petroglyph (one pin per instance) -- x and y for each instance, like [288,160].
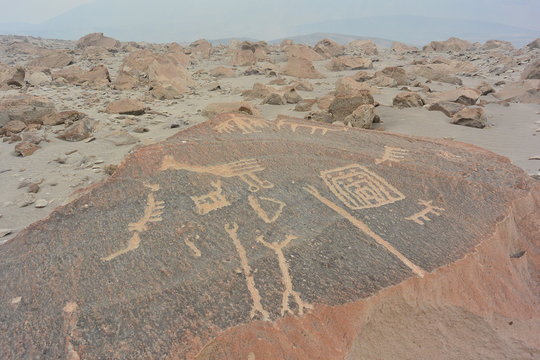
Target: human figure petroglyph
[245,169]
[365,229]
[264,214]
[152,214]
[286,278]
[247,125]
[313,128]
[359,188]
[392,154]
[422,216]
[212,201]
[232,230]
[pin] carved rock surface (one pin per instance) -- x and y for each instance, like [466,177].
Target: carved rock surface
[242,238]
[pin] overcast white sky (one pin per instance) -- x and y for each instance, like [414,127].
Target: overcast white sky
[524,13]
[34,11]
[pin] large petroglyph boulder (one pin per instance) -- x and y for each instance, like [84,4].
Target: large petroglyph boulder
[243,238]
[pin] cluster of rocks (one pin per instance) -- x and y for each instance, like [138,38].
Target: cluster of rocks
[123,93]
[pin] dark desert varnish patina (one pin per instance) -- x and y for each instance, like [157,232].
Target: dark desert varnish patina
[242,220]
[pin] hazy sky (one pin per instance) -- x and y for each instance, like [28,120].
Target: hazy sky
[524,13]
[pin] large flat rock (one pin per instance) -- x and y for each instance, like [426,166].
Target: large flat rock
[242,221]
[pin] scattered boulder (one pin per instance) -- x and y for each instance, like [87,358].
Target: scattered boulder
[78,131]
[535,44]
[485,88]
[328,48]
[303,85]
[99,40]
[258,91]
[201,48]
[524,91]
[144,68]
[126,107]
[244,107]
[121,137]
[63,117]
[324,102]
[222,72]
[248,53]
[452,44]
[397,73]
[532,71]
[408,99]
[471,116]
[401,48]
[52,60]
[305,105]
[167,92]
[301,68]
[302,51]
[498,45]
[11,76]
[14,126]
[25,148]
[343,63]
[349,86]
[343,106]
[26,108]
[435,72]
[274,99]
[366,47]
[36,78]
[465,96]
[363,117]
[291,96]
[448,108]
[96,77]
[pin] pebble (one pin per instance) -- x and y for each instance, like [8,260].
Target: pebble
[41,203]
[27,199]
[4,232]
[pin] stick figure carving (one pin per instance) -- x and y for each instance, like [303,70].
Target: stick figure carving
[286,278]
[232,230]
[422,216]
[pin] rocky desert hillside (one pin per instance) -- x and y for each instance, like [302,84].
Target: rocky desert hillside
[260,201]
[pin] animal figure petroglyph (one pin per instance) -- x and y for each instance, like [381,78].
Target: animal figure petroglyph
[232,230]
[392,154]
[212,201]
[365,229]
[286,278]
[152,214]
[422,216]
[246,125]
[359,188]
[244,169]
[314,128]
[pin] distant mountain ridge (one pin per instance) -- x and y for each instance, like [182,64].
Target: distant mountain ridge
[312,39]
[420,30]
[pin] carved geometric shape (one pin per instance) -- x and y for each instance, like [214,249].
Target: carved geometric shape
[359,188]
